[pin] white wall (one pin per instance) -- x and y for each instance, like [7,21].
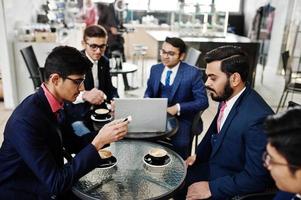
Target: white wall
[13,12]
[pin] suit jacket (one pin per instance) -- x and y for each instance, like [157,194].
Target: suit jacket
[104,79]
[80,111]
[234,154]
[284,196]
[189,91]
[31,156]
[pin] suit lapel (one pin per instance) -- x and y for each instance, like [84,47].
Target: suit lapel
[177,81]
[224,131]
[157,82]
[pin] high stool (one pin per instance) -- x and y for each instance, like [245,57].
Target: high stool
[139,53]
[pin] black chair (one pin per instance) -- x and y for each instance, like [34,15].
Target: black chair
[36,73]
[195,129]
[289,85]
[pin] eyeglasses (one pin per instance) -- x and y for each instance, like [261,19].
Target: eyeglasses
[168,53]
[94,47]
[77,82]
[268,161]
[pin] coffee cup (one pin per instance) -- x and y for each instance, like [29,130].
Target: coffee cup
[101,113]
[158,155]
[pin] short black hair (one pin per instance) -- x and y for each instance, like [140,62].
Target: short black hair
[65,61]
[233,59]
[284,133]
[94,31]
[176,42]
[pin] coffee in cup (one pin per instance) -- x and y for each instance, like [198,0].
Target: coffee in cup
[101,113]
[158,155]
[105,154]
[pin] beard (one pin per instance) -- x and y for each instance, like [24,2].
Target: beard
[228,91]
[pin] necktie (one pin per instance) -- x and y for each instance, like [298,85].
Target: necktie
[220,116]
[167,79]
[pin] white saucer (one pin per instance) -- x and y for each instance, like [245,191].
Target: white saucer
[101,120]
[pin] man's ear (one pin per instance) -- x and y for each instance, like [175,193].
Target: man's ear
[83,44]
[182,56]
[235,79]
[54,79]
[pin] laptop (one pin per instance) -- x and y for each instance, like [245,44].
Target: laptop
[148,114]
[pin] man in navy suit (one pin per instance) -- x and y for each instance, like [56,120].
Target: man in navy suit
[98,82]
[183,86]
[228,161]
[36,138]
[283,153]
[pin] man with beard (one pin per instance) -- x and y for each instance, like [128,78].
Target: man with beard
[228,161]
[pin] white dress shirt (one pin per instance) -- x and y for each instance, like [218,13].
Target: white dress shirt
[172,78]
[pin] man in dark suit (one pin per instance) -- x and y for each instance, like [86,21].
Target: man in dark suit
[183,86]
[228,161]
[98,82]
[283,153]
[36,138]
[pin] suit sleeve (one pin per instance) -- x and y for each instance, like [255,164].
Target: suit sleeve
[149,92]
[253,177]
[200,99]
[29,140]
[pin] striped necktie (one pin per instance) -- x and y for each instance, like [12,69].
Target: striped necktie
[220,116]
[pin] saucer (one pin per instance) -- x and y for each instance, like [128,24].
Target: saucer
[148,161]
[101,120]
[110,162]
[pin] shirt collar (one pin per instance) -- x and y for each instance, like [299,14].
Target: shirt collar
[232,101]
[174,69]
[92,61]
[55,105]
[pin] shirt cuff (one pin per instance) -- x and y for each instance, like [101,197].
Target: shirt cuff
[79,98]
[179,109]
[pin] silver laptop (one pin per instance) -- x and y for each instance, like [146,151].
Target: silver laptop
[148,115]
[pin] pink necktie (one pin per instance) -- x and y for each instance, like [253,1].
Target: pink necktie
[220,116]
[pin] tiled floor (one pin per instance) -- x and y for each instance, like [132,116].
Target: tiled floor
[270,89]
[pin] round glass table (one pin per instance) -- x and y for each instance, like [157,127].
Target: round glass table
[132,177]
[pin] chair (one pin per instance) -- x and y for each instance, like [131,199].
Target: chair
[192,56]
[36,73]
[289,86]
[195,129]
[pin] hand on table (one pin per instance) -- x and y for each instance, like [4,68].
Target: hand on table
[173,110]
[198,190]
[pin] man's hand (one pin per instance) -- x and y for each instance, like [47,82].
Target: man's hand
[190,160]
[198,190]
[114,30]
[173,110]
[111,132]
[94,96]
[112,106]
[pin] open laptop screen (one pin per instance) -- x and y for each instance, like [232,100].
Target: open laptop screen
[148,114]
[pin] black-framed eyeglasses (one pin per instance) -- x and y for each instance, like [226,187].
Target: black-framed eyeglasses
[168,53]
[94,47]
[268,161]
[77,82]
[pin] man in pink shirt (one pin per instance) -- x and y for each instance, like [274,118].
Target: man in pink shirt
[36,136]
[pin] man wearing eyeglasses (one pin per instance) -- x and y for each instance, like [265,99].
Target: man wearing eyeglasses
[283,153]
[37,137]
[98,83]
[182,84]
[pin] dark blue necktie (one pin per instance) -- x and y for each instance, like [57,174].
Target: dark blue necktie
[167,79]
[61,116]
